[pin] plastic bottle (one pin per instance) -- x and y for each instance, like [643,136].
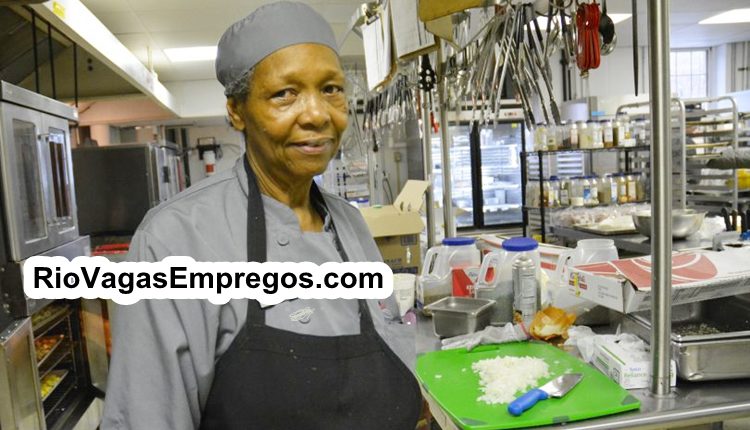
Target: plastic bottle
[594,184]
[554,192]
[563,135]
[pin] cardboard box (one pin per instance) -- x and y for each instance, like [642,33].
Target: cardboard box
[396,228]
[630,369]
[625,285]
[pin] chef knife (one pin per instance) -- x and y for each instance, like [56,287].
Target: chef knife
[557,387]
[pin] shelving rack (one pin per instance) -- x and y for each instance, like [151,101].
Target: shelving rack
[711,129]
[539,216]
[640,111]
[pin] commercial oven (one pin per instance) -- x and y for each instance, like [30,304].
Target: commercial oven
[118,184]
[46,347]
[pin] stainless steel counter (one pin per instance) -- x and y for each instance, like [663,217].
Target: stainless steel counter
[635,243]
[690,404]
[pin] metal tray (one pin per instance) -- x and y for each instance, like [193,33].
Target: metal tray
[709,356]
[604,231]
[453,316]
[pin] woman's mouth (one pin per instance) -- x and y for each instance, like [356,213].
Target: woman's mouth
[313,147]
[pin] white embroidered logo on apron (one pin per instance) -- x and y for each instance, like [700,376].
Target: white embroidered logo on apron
[302,315]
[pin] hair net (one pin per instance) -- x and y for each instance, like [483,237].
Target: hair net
[269,28]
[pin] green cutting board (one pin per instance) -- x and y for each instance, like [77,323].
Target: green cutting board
[448,378]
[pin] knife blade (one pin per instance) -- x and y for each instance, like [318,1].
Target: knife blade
[557,387]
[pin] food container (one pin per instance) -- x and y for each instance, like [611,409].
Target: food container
[453,316]
[684,222]
[710,339]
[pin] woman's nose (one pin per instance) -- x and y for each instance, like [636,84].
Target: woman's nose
[314,112]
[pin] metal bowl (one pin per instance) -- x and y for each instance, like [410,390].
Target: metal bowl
[684,222]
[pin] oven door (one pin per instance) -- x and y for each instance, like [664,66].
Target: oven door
[21,406]
[38,186]
[25,182]
[57,162]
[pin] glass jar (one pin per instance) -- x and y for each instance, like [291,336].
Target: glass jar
[604,191]
[540,137]
[532,194]
[554,192]
[583,135]
[587,191]
[640,187]
[563,135]
[612,184]
[576,191]
[573,131]
[625,124]
[639,128]
[622,188]
[632,188]
[564,192]
[594,184]
[608,135]
[552,143]
[595,133]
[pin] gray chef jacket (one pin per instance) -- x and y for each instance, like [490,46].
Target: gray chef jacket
[164,351]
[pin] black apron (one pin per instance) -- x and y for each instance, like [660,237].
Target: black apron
[276,379]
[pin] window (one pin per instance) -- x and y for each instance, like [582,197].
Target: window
[687,72]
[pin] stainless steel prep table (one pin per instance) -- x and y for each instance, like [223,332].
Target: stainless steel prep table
[690,404]
[635,243]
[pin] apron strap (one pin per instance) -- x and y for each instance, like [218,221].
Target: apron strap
[256,248]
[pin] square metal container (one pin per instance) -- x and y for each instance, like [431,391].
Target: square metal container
[453,316]
[703,357]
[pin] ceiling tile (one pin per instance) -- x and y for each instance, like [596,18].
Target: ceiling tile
[184,20]
[103,6]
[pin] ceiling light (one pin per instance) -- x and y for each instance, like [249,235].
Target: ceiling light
[733,16]
[194,53]
[618,17]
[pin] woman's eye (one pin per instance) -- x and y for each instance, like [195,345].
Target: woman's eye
[283,94]
[333,89]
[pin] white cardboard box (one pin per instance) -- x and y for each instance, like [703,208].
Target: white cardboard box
[627,368]
[625,285]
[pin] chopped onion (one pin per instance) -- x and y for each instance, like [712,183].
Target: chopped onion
[502,379]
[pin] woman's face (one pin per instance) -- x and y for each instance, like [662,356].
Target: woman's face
[295,112]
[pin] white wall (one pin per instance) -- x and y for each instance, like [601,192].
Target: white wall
[232,145]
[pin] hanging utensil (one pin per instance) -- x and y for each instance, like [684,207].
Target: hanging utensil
[607,32]
[634,18]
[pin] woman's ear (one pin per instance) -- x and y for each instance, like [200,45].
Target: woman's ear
[233,110]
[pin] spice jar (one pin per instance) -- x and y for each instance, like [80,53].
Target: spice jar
[622,188]
[640,187]
[563,135]
[573,131]
[632,188]
[552,143]
[540,137]
[554,192]
[604,190]
[576,191]
[595,135]
[608,137]
[564,192]
[584,141]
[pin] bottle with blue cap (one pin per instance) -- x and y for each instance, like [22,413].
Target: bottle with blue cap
[496,276]
[436,279]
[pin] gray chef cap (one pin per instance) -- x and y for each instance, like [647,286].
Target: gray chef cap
[265,31]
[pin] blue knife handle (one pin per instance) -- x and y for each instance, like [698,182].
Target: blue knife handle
[526,401]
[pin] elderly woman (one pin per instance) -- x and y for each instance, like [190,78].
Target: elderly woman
[302,364]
